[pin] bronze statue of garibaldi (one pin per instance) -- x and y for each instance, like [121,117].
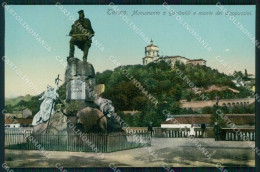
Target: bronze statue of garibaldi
[81,34]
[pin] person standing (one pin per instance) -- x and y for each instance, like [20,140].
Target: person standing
[192,131]
[203,128]
[217,131]
[150,128]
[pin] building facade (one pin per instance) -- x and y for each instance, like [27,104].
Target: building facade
[173,59]
[152,55]
[197,62]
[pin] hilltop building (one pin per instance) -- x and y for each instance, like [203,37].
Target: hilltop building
[197,62]
[152,55]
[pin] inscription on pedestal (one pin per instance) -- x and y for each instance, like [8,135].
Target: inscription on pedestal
[78,90]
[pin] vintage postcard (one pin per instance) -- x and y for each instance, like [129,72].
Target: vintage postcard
[117,86]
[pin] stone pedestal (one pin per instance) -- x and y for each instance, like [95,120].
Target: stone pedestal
[72,124]
[56,125]
[80,82]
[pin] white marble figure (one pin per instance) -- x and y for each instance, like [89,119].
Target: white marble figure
[105,106]
[47,106]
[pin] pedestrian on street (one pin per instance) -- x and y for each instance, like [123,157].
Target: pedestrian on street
[150,128]
[192,131]
[203,128]
[217,131]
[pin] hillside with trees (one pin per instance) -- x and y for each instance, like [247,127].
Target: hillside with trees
[14,101]
[159,80]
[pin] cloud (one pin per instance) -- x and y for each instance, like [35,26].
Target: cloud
[227,50]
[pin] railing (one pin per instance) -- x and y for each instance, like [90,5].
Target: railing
[228,134]
[238,134]
[176,132]
[170,132]
[88,142]
[134,130]
[133,137]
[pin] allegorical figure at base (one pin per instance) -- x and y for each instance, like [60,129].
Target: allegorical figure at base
[46,108]
[81,34]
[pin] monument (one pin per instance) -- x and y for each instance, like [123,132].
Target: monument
[83,116]
[80,75]
[83,105]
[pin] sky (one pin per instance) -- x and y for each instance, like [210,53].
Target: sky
[119,40]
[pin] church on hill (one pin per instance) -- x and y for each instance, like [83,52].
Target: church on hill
[152,55]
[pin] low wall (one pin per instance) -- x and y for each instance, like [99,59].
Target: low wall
[228,134]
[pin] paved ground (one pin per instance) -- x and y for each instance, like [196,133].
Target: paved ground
[177,152]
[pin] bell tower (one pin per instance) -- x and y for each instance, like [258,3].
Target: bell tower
[151,53]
